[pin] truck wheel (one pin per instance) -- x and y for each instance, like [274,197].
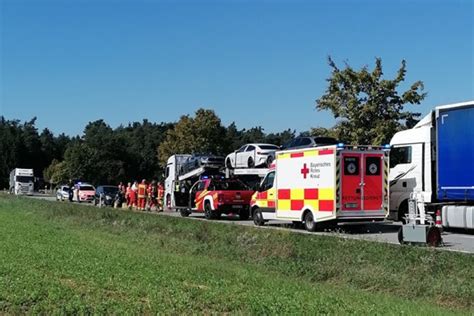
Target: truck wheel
[209,213]
[251,163]
[433,238]
[244,214]
[309,222]
[400,236]
[258,218]
[168,202]
[184,213]
[402,211]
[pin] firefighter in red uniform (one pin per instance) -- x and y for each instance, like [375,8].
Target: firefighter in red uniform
[161,195]
[151,191]
[142,195]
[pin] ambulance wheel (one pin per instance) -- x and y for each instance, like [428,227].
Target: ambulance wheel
[251,163]
[309,223]
[433,237]
[258,218]
[244,214]
[400,236]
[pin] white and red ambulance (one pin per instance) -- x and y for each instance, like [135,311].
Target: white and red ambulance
[325,184]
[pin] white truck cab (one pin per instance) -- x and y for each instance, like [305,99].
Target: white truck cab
[171,178]
[21,181]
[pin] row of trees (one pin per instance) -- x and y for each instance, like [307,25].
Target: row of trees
[368,110]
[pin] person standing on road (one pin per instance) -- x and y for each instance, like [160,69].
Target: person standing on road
[142,195]
[152,195]
[71,191]
[161,194]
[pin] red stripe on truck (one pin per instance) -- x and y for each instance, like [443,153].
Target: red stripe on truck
[297,155]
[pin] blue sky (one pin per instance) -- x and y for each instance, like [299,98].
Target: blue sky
[253,62]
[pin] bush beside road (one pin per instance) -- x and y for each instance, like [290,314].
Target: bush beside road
[72,258]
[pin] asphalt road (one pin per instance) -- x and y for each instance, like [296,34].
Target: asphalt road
[378,232]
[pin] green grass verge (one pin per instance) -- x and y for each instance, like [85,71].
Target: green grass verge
[62,258]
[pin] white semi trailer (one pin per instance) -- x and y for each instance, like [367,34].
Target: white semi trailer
[21,181]
[435,161]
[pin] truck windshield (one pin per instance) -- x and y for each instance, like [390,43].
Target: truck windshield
[24,179]
[229,185]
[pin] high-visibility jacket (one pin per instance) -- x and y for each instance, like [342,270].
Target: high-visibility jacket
[161,192]
[141,190]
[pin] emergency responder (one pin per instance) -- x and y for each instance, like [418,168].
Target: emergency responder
[142,195]
[160,196]
[152,195]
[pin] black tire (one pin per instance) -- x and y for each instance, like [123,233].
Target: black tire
[402,211]
[309,223]
[269,161]
[244,214]
[250,163]
[258,217]
[433,237]
[209,213]
[228,164]
[184,213]
[167,204]
[400,236]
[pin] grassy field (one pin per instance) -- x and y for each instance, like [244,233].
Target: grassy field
[57,257]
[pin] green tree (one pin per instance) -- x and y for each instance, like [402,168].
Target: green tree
[368,107]
[202,133]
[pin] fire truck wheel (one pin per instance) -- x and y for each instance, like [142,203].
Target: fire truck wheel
[258,218]
[184,213]
[244,214]
[400,236]
[209,213]
[309,223]
[251,163]
[433,237]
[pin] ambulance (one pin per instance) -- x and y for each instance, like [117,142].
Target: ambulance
[321,185]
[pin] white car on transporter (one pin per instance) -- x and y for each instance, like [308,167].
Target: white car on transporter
[251,156]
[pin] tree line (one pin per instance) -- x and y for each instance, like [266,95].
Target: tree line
[368,109]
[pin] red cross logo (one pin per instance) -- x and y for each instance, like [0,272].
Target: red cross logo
[305,171]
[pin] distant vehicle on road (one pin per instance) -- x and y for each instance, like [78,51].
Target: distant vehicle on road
[309,141]
[62,193]
[21,181]
[85,193]
[251,156]
[201,160]
[105,195]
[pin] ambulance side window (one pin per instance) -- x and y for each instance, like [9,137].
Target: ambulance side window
[351,166]
[267,184]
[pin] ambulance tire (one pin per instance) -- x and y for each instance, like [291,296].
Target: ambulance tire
[250,163]
[258,217]
[309,223]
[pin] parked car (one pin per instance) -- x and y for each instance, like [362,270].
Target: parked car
[62,193]
[251,156]
[85,193]
[105,195]
[201,160]
[309,141]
